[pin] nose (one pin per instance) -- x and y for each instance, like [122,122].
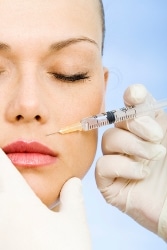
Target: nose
[27,103]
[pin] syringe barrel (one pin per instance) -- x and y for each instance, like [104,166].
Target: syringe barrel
[125,113]
[94,122]
[106,118]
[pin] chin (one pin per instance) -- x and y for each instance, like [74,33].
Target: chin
[47,192]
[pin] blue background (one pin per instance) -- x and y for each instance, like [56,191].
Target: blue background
[135,52]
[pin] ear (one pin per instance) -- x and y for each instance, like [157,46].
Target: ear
[106,76]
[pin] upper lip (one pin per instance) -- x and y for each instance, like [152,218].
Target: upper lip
[28,147]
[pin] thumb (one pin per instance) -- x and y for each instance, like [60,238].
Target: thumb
[135,94]
[71,198]
[72,208]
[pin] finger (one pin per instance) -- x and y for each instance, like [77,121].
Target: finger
[135,94]
[111,167]
[120,141]
[144,127]
[71,198]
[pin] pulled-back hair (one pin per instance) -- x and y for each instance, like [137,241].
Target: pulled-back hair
[103,22]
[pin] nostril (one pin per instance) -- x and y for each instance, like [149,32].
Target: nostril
[19,117]
[37,117]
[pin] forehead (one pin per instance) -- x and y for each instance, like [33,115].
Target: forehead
[62,18]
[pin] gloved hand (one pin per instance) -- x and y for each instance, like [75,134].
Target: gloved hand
[132,174]
[26,223]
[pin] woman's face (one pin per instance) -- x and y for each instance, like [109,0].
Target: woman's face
[51,75]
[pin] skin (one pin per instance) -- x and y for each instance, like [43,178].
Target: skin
[33,102]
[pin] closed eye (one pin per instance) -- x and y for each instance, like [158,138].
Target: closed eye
[70,78]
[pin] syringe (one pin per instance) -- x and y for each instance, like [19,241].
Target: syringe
[114,116]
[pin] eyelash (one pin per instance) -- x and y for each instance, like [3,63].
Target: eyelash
[71,78]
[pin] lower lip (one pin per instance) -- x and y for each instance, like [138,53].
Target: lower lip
[32,160]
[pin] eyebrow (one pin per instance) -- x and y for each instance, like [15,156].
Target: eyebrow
[57,45]
[65,43]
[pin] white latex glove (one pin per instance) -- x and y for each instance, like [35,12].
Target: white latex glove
[132,174]
[26,223]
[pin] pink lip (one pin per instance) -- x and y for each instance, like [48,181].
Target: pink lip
[29,154]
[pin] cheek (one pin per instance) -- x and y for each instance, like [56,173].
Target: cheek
[79,148]
[80,154]
[80,105]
